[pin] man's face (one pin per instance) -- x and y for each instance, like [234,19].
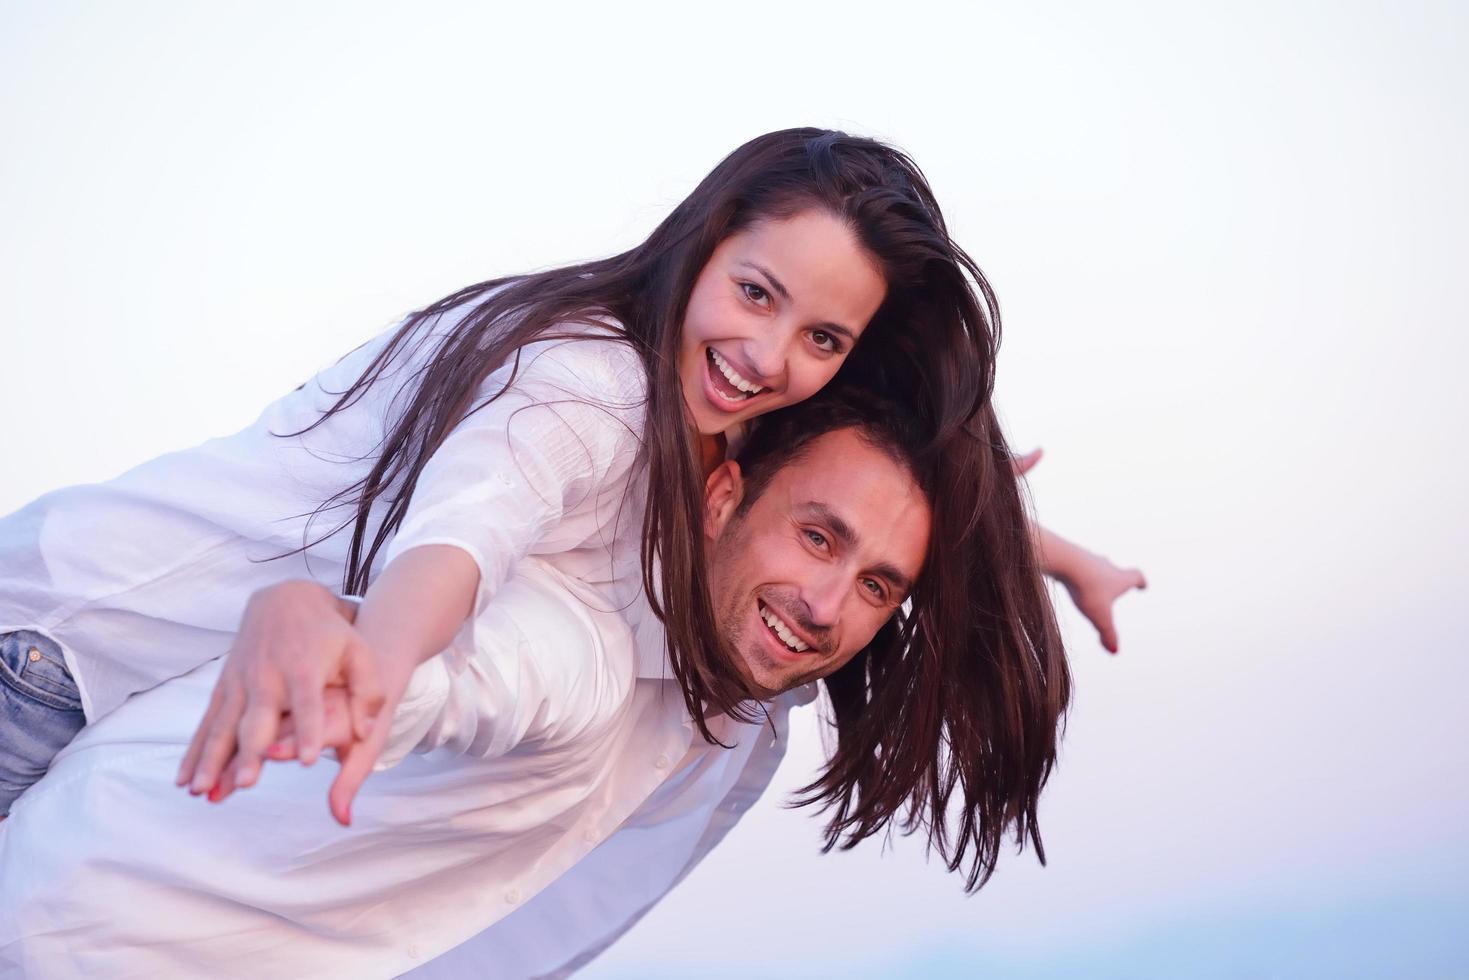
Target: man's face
[805,577]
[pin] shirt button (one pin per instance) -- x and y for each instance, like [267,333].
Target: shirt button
[34,655]
[662,762]
[590,836]
[512,895]
[414,951]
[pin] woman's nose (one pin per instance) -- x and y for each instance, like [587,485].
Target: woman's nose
[768,354]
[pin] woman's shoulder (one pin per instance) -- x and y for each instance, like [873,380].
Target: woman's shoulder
[591,360]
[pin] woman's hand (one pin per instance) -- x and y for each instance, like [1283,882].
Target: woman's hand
[1093,582]
[295,644]
[337,733]
[336,728]
[296,638]
[357,756]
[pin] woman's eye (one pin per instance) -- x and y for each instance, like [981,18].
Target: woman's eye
[816,538]
[755,294]
[827,342]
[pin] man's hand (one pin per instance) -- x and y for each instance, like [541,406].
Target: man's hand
[296,639]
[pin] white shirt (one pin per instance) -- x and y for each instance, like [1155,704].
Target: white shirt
[607,892]
[145,577]
[565,733]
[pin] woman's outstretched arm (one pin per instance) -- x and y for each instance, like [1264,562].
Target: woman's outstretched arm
[1093,582]
[293,647]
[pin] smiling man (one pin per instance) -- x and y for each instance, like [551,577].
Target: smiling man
[807,561]
[556,786]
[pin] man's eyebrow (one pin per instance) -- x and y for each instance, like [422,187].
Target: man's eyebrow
[785,294]
[847,537]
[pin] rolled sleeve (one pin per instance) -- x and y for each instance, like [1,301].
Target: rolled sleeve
[564,431]
[540,662]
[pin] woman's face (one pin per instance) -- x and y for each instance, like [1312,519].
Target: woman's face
[773,315]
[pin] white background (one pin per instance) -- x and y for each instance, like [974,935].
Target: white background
[1229,242]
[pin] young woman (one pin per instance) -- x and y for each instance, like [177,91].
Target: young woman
[567,414]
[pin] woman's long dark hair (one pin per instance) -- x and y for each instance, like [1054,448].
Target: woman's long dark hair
[948,720]
[931,345]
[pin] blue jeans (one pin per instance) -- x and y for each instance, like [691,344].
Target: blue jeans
[40,710]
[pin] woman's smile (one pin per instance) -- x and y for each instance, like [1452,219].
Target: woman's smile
[726,389]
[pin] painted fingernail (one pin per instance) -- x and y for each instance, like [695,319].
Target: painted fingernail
[216,794]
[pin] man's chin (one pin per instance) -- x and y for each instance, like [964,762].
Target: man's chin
[762,683]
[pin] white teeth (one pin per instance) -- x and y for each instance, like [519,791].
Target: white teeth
[733,377]
[782,630]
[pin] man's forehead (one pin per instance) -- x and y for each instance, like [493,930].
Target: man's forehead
[840,475]
[832,458]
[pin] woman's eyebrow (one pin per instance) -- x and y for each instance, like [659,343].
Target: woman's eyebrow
[775,283]
[785,294]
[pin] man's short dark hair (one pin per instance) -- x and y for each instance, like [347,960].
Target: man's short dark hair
[783,437]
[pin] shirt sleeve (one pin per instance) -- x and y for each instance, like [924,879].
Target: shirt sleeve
[565,432]
[543,661]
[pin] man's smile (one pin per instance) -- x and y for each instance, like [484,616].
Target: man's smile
[783,633]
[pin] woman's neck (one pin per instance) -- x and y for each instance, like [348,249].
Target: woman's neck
[711,452]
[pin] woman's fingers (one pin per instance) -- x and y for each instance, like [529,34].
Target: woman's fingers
[306,711]
[282,749]
[258,728]
[1104,617]
[364,688]
[201,734]
[1023,464]
[228,780]
[219,744]
[1107,630]
[336,730]
[357,761]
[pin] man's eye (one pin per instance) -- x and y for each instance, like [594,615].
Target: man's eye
[755,294]
[816,538]
[874,586]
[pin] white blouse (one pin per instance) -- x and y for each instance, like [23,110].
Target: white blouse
[107,869]
[145,577]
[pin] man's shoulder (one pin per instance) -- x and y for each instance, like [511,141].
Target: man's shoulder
[569,631]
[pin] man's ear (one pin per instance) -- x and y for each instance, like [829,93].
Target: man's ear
[723,492]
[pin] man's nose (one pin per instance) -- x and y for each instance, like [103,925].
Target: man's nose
[824,594]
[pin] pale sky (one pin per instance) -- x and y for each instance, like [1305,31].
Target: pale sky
[1229,242]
